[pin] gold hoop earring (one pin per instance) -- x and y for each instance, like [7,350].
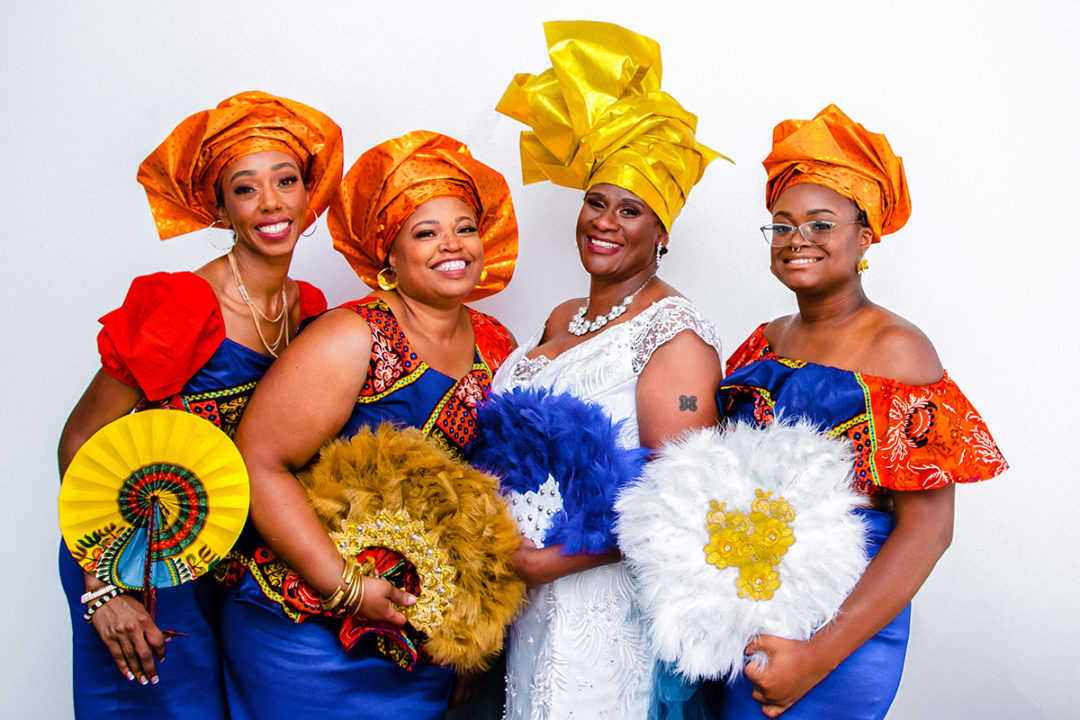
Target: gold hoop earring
[210,236]
[862,266]
[314,223]
[384,283]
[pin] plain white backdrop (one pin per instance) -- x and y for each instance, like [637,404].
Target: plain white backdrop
[980,99]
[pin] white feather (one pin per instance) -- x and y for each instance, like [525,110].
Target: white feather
[696,619]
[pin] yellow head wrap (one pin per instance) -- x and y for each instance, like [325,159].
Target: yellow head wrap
[598,116]
[391,180]
[181,175]
[835,151]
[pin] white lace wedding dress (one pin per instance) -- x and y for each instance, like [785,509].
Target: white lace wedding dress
[579,649]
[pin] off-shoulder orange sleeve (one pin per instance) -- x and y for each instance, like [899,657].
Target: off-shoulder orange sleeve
[923,437]
[752,349]
[167,328]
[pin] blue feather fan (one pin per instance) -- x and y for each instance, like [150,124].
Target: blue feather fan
[526,434]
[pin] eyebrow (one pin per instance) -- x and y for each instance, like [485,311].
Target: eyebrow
[433,221]
[817,211]
[273,168]
[628,200]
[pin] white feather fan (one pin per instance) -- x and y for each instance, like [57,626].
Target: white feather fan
[697,620]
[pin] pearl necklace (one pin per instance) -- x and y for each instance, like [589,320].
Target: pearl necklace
[256,313]
[580,326]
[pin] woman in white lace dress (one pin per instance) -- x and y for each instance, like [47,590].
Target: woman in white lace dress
[634,346]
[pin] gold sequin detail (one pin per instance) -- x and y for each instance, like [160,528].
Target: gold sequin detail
[754,542]
[397,531]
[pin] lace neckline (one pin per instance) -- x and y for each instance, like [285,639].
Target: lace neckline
[542,360]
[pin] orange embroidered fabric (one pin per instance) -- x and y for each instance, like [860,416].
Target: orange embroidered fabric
[905,437]
[835,151]
[182,174]
[391,180]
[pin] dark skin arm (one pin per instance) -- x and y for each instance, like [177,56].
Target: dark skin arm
[302,402]
[674,395]
[924,523]
[133,639]
[889,347]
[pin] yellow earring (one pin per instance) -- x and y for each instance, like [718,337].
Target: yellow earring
[863,265]
[385,283]
[483,275]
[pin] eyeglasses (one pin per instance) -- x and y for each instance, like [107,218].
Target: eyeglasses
[815,232]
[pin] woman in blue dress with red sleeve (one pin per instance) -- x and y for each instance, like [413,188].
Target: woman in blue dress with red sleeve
[865,376]
[264,167]
[430,227]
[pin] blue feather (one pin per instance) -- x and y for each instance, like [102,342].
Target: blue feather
[526,434]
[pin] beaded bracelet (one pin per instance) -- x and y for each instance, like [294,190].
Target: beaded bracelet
[100,602]
[92,595]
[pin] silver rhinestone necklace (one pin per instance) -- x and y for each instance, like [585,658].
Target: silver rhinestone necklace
[580,326]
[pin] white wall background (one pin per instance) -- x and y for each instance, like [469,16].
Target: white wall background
[980,99]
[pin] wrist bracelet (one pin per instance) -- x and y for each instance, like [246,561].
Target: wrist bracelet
[92,595]
[100,602]
[346,599]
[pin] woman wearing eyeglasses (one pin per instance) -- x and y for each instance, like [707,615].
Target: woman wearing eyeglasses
[866,376]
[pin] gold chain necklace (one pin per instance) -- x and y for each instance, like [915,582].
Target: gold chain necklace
[256,313]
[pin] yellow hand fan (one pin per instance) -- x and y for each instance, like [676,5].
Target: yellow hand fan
[153,499]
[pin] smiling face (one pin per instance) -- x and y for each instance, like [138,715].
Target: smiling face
[438,255]
[818,268]
[263,199]
[617,233]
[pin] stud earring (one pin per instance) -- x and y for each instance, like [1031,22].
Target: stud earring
[483,275]
[386,283]
[862,265]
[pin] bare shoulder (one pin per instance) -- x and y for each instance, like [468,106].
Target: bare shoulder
[560,317]
[562,312]
[902,352]
[338,335]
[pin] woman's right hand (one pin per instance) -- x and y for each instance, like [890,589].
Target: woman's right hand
[132,638]
[380,599]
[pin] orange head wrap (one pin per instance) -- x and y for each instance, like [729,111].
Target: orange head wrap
[391,180]
[182,174]
[834,151]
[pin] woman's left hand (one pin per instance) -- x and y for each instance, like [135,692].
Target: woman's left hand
[791,671]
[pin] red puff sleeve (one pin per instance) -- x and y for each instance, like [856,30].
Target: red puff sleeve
[312,300]
[168,327]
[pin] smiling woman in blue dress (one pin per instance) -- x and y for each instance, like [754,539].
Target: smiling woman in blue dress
[429,226]
[264,167]
[869,378]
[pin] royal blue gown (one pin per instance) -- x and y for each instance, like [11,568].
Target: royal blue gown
[168,340]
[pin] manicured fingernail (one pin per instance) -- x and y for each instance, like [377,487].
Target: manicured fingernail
[142,681]
[411,599]
[129,675]
[154,680]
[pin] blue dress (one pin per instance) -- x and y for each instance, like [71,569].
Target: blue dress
[282,657]
[168,339]
[904,438]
